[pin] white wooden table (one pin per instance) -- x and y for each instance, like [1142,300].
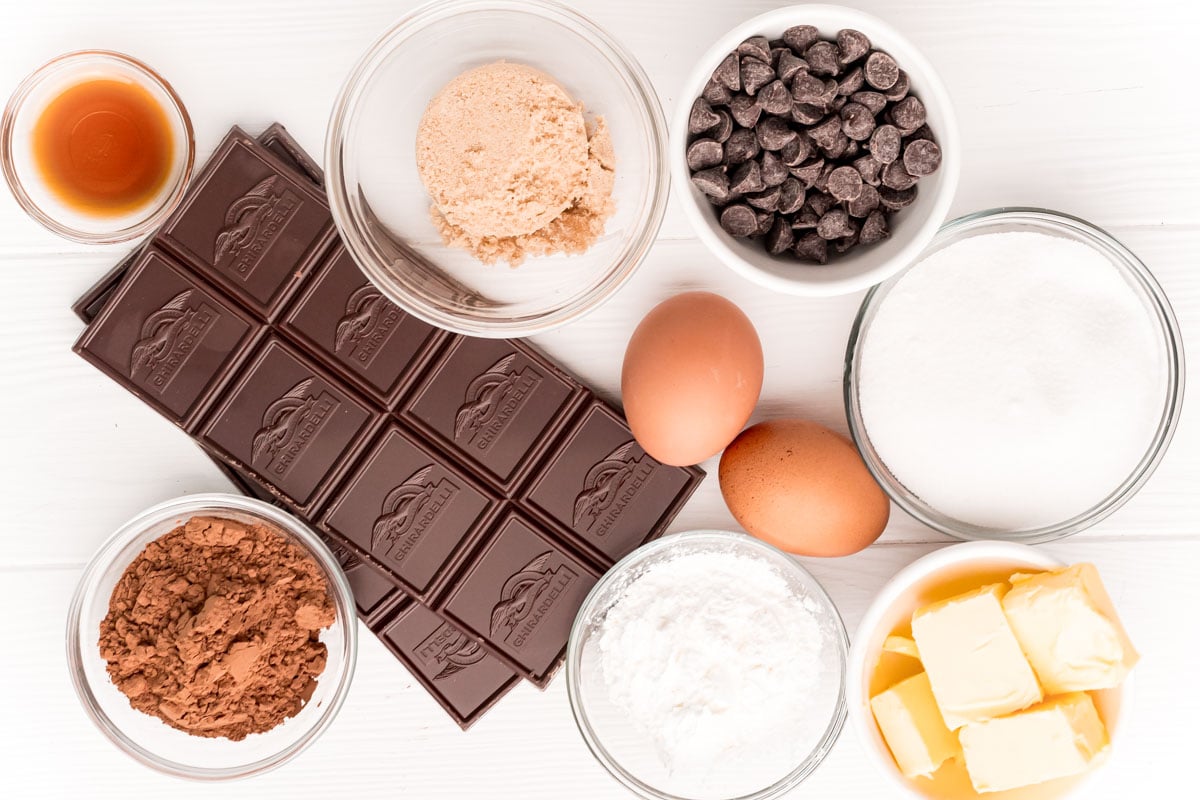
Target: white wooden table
[1086,106]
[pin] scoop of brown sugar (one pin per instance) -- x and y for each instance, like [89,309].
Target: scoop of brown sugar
[214,628]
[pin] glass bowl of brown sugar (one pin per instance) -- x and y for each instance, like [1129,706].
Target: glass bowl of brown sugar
[212,637]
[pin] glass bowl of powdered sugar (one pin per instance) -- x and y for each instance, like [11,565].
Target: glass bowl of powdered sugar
[1021,381]
[708,666]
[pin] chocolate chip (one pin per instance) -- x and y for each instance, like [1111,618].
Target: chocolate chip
[745,110]
[866,202]
[702,117]
[825,134]
[896,199]
[922,132]
[724,128]
[868,167]
[714,183]
[841,143]
[851,82]
[857,121]
[899,90]
[922,157]
[805,219]
[811,247]
[820,203]
[788,65]
[838,104]
[881,70]
[822,58]
[778,48]
[845,183]
[852,44]
[800,37]
[766,200]
[780,238]
[704,153]
[874,228]
[765,221]
[908,114]
[739,220]
[807,114]
[846,242]
[885,144]
[755,74]
[896,177]
[791,196]
[756,46]
[808,172]
[716,94]
[822,182]
[729,73]
[830,95]
[808,89]
[775,98]
[794,152]
[874,101]
[741,147]
[747,178]
[774,171]
[774,133]
[834,224]
[852,150]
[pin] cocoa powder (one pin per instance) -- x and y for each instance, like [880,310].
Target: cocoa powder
[214,628]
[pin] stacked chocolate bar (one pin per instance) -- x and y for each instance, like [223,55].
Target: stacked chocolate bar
[473,490]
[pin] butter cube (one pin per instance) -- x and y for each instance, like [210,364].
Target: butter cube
[1068,630]
[975,665]
[901,646]
[913,727]
[1060,737]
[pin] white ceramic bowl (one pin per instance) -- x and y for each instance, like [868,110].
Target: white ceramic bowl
[940,574]
[913,227]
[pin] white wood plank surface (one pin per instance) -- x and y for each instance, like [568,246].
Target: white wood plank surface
[1087,107]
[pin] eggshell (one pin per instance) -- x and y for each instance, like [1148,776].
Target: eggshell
[693,370]
[802,488]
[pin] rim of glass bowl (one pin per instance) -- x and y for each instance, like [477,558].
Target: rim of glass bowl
[118,546]
[352,225]
[1142,280]
[680,541]
[153,216]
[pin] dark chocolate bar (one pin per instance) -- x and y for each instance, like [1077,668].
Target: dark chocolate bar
[474,476]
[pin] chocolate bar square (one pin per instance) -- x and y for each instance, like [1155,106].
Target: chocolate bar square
[521,594]
[461,675]
[345,317]
[249,223]
[494,402]
[409,510]
[603,488]
[166,337]
[288,422]
[372,590]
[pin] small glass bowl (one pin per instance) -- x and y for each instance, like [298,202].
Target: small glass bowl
[381,207]
[24,109]
[626,752]
[148,739]
[1140,280]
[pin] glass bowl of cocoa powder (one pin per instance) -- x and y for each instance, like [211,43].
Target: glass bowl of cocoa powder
[212,637]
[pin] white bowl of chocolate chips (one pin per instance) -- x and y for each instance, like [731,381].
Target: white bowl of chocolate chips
[815,150]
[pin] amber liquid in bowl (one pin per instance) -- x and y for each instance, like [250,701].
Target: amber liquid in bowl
[104,147]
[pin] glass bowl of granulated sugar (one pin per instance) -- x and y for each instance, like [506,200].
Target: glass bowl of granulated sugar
[708,665]
[212,637]
[1020,381]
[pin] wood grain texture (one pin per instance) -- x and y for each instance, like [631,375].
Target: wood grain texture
[1080,106]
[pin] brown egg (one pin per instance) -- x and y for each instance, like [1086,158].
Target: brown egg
[802,488]
[693,370]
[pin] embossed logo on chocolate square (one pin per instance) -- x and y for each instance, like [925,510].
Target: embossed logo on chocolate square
[527,598]
[168,337]
[610,486]
[409,510]
[366,326]
[289,426]
[492,401]
[251,225]
[449,650]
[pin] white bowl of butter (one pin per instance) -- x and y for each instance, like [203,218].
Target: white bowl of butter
[1025,691]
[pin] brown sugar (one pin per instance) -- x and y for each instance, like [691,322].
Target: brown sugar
[214,628]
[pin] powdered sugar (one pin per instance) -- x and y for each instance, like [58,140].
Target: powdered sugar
[1012,380]
[717,659]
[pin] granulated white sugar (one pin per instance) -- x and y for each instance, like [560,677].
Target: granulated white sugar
[1012,380]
